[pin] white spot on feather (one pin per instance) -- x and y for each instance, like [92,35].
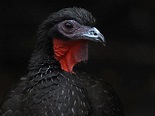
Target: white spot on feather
[62,92]
[74,102]
[39,70]
[73,110]
[72,92]
[59,107]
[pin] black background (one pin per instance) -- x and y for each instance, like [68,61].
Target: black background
[127,62]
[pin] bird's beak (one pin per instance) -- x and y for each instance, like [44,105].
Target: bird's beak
[94,34]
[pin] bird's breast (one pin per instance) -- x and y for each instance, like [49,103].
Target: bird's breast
[61,94]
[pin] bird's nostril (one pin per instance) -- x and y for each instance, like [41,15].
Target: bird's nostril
[95,33]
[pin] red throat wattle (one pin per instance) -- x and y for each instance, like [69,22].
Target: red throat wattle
[70,52]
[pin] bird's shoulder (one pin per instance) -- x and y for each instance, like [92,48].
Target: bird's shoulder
[103,97]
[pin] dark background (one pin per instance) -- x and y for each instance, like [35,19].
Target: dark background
[127,62]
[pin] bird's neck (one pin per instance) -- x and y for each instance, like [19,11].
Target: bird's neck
[43,53]
[61,54]
[69,53]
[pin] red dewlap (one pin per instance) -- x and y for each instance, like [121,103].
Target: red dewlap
[70,52]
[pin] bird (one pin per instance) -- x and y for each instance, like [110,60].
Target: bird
[52,87]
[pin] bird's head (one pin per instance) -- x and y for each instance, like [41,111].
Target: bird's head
[65,34]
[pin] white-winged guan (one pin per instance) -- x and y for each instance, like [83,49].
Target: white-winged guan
[51,87]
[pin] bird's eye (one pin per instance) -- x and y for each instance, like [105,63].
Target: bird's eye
[68,25]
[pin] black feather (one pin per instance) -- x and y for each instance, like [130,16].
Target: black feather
[47,90]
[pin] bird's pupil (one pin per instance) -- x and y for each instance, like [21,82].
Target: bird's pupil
[69,25]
